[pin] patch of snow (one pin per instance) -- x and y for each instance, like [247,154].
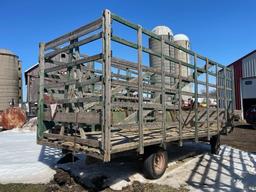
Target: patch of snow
[22,160]
[231,170]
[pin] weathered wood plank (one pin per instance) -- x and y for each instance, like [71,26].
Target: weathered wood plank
[74,82]
[74,63]
[134,105]
[89,151]
[81,117]
[75,34]
[87,142]
[71,46]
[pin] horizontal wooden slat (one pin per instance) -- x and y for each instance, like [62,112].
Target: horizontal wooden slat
[86,99]
[121,62]
[72,82]
[153,35]
[147,126]
[87,142]
[125,146]
[151,52]
[74,63]
[75,34]
[81,117]
[145,86]
[89,151]
[145,105]
[71,46]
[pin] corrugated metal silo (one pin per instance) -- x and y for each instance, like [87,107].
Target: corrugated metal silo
[10,75]
[155,62]
[183,41]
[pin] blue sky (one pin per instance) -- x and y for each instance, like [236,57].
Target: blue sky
[220,30]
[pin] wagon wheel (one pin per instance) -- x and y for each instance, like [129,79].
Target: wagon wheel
[155,164]
[215,144]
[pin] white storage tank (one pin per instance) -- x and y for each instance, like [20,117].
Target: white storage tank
[155,61]
[183,41]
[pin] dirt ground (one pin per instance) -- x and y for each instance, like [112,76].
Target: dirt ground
[243,137]
[148,187]
[64,183]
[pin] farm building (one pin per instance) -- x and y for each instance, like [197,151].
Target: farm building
[32,78]
[32,82]
[244,81]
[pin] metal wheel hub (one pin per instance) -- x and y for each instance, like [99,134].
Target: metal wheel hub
[159,163]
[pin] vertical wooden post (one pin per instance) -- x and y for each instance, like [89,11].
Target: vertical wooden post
[217,96]
[140,90]
[107,85]
[40,124]
[163,92]
[207,98]
[103,86]
[180,109]
[28,87]
[71,71]
[225,93]
[233,89]
[196,97]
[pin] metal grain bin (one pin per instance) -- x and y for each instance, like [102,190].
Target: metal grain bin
[155,61]
[10,74]
[183,41]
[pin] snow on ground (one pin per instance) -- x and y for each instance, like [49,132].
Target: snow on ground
[231,170]
[22,160]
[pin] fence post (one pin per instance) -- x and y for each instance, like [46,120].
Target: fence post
[107,85]
[196,97]
[40,124]
[140,90]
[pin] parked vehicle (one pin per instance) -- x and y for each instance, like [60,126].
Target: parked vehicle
[88,112]
[187,104]
[250,116]
[203,102]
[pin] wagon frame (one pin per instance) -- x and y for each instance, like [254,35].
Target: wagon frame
[73,108]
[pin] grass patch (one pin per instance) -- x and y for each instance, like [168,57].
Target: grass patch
[22,187]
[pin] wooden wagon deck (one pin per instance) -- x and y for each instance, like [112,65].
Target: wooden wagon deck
[124,139]
[120,141]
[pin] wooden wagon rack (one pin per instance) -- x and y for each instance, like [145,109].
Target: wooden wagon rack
[103,104]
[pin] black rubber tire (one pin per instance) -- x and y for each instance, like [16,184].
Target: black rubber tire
[149,169]
[215,144]
[65,151]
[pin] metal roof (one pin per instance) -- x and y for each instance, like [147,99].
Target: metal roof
[28,70]
[32,67]
[6,52]
[252,52]
[180,37]
[162,30]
